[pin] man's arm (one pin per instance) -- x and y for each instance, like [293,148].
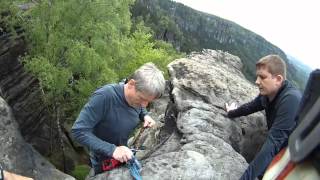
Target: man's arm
[82,130]
[247,108]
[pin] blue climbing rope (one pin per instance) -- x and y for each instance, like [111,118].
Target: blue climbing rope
[135,168]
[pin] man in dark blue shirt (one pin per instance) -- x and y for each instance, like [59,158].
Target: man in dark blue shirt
[113,111]
[280,100]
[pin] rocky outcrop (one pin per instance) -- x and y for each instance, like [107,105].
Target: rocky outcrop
[18,156]
[197,140]
[22,92]
[202,84]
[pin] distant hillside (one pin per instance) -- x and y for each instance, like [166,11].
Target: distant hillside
[190,30]
[300,65]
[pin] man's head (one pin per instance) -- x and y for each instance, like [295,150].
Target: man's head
[271,72]
[145,84]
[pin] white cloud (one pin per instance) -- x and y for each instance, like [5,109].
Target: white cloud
[292,25]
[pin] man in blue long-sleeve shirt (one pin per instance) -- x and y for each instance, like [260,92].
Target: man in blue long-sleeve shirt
[280,100]
[113,111]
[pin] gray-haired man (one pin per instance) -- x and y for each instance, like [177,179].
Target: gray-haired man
[113,111]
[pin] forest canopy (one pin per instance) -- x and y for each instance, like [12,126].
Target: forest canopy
[76,46]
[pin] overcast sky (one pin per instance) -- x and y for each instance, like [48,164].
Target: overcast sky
[291,25]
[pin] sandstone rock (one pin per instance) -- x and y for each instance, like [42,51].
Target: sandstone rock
[18,156]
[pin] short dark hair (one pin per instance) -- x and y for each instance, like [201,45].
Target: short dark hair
[275,65]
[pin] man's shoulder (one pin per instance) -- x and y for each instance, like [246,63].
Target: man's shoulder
[290,93]
[108,90]
[291,90]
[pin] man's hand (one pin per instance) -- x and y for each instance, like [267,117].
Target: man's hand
[148,122]
[122,154]
[230,107]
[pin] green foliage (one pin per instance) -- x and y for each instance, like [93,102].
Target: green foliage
[72,46]
[144,51]
[156,17]
[10,17]
[80,172]
[53,78]
[76,46]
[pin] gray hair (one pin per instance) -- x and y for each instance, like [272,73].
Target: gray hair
[149,79]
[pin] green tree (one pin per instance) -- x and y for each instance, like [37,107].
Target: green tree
[73,48]
[76,46]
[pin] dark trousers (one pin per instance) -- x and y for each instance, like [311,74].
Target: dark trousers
[261,161]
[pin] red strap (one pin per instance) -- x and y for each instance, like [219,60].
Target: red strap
[110,164]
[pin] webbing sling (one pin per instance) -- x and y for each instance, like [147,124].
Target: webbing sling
[135,168]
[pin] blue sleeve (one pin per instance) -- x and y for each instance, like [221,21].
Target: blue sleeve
[143,113]
[89,117]
[248,108]
[284,122]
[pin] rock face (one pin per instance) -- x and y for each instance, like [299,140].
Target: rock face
[18,156]
[202,84]
[197,140]
[22,92]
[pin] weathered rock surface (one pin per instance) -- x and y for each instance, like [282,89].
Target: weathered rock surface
[22,92]
[20,157]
